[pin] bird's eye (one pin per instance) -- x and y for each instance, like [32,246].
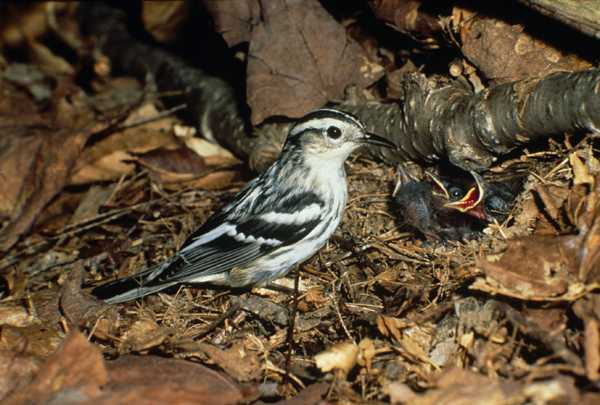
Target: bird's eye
[334,132]
[455,192]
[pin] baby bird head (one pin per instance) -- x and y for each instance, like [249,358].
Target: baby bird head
[330,134]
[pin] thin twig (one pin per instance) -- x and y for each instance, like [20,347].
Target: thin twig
[233,308]
[76,228]
[153,118]
[290,332]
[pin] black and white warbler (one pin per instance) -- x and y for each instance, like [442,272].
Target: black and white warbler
[278,220]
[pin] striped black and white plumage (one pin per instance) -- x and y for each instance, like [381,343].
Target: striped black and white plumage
[278,220]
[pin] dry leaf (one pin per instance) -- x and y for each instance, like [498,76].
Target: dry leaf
[505,52]
[366,353]
[400,393]
[173,165]
[156,380]
[142,335]
[234,19]
[112,157]
[550,267]
[534,268]
[213,153]
[75,370]
[164,19]
[218,180]
[342,356]
[390,326]
[43,161]
[237,361]
[300,58]
[592,349]
[581,174]
[77,306]
[16,370]
[462,387]
[406,16]
[17,316]
[311,395]
[77,374]
[92,201]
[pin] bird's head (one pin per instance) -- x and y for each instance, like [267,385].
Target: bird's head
[330,134]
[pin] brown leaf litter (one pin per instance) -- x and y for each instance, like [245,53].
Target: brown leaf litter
[383,316]
[76,373]
[299,59]
[553,267]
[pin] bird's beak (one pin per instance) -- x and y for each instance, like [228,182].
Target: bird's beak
[472,198]
[441,190]
[377,140]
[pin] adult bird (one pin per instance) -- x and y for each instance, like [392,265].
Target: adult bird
[279,219]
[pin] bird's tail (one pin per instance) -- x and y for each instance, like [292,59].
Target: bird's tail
[130,288]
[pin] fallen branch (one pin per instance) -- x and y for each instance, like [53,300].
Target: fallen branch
[441,119]
[434,119]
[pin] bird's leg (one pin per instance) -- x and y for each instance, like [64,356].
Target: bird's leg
[289,339]
[279,288]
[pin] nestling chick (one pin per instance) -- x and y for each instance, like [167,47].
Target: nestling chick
[451,208]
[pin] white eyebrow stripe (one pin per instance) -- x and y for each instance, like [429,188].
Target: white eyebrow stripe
[346,115]
[307,214]
[321,123]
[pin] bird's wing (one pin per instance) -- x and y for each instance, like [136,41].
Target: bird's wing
[236,242]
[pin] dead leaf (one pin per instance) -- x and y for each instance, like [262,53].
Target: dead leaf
[164,19]
[26,23]
[552,198]
[300,58]
[589,267]
[42,161]
[75,370]
[50,62]
[77,374]
[534,268]
[265,308]
[133,379]
[592,349]
[554,320]
[113,157]
[557,390]
[406,16]
[92,201]
[366,354]
[581,174]
[506,52]
[342,356]
[550,267]
[234,19]
[237,361]
[142,335]
[400,393]
[78,307]
[390,326]
[217,180]
[213,153]
[458,387]
[43,335]
[16,370]
[311,395]
[14,315]
[173,165]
